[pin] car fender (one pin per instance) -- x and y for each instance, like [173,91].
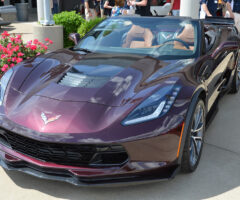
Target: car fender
[196,96]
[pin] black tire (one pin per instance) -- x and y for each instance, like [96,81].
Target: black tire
[235,82]
[187,164]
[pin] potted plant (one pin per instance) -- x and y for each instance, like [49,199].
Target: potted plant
[22,10]
[13,50]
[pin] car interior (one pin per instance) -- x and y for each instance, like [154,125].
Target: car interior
[210,38]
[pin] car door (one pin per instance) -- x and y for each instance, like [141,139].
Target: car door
[216,66]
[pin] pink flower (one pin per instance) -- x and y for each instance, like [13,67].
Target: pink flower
[29,42]
[5,34]
[19,60]
[12,39]
[35,41]
[10,53]
[16,48]
[4,68]
[9,60]
[5,50]
[3,56]
[20,54]
[19,37]
[33,47]
[38,54]
[46,39]
[18,41]
[14,59]
[9,46]
[12,65]
[50,41]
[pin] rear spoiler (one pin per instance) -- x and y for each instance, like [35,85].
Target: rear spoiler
[218,21]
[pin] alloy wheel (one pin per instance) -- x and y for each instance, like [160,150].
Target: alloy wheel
[196,135]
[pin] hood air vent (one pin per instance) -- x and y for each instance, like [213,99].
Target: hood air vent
[84,81]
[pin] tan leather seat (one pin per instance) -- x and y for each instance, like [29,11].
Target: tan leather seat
[136,33]
[187,35]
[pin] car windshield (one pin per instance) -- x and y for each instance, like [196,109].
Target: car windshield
[153,36]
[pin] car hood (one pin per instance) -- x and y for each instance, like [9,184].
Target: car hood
[107,79]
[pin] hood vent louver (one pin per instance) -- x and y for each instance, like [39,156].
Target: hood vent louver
[84,81]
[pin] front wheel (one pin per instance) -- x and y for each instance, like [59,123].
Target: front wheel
[194,139]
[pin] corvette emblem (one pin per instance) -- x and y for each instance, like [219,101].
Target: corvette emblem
[46,120]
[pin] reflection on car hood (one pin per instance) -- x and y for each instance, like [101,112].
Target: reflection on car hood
[108,79]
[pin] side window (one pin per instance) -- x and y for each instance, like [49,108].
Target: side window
[211,38]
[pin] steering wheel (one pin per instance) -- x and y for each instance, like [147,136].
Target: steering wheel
[178,40]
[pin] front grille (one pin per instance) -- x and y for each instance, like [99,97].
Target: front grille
[91,155]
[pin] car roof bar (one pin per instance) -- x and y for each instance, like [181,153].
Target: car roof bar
[218,20]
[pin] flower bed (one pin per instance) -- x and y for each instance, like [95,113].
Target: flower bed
[14,51]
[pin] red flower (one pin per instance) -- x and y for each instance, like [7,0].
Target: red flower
[18,41]
[3,56]
[45,47]
[5,34]
[19,37]
[46,39]
[16,48]
[11,65]
[14,59]
[10,53]
[35,41]
[50,41]
[19,60]
[33,47]
[5,50]
[20,54]
[4,68]
[9,46]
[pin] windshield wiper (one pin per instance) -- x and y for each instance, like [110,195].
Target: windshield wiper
[82,49]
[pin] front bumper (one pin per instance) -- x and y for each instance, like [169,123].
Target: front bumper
[150,159]
[129,174]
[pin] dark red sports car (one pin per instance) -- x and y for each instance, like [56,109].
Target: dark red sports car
[130,102]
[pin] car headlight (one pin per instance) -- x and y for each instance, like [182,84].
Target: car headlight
[154,106]
[4,82]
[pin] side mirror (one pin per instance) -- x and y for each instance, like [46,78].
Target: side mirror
[75,37]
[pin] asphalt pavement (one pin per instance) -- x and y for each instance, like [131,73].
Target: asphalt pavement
[217,177]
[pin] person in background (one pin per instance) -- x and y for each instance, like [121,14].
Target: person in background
[55,6]
[233,7]
[209,8]
[142,7]
[175,7]
[118,8]
[108,5]
[97,7]
[90,12]
[102,8]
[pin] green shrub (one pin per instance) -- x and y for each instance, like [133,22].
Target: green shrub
[88,25]
[70,21]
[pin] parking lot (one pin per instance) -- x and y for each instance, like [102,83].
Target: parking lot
[217,177]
